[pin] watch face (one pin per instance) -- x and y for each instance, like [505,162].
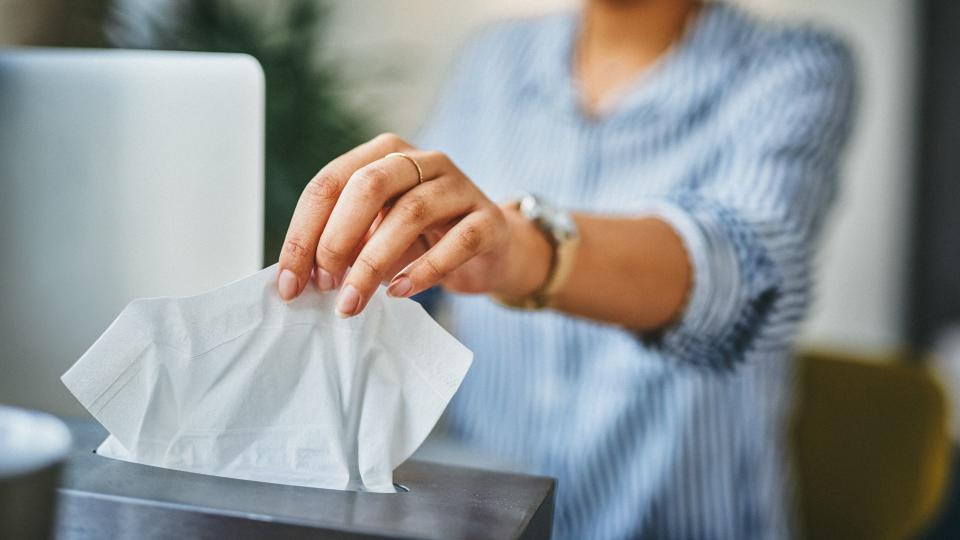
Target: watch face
[531,207]
[558,223]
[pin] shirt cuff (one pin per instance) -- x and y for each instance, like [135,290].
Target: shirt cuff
[734,285]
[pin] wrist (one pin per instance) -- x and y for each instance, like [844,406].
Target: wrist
[528,256]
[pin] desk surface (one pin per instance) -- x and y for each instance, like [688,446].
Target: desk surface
[106,498]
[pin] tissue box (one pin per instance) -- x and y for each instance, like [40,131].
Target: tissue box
[106,498]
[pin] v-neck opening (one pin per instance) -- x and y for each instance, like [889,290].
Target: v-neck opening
[644,88]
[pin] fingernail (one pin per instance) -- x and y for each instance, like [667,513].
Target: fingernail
[400,287]
[348,301]
[287,285]
[324,280]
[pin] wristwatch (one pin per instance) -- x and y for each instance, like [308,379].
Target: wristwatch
[558,226]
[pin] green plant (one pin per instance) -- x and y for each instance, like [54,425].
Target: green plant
[308,122]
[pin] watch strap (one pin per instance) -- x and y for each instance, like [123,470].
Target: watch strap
[563,253]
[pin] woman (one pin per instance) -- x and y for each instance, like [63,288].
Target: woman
[688,154]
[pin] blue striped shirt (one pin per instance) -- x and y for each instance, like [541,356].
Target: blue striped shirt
[734,138]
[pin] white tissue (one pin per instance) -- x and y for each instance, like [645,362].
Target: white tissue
[237,383]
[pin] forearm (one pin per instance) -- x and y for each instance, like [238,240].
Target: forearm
[632,272]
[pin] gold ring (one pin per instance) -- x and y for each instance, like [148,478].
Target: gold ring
[411,160]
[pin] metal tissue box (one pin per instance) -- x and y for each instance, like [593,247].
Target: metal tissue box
[105,498]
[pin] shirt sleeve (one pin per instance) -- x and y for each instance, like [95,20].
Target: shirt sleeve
[751,224]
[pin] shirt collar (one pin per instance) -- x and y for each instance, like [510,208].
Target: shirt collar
[663,89]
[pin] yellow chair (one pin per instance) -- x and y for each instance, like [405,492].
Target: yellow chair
[872,447]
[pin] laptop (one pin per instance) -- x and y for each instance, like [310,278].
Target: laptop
[123,174]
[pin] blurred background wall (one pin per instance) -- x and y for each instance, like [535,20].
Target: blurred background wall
[394,56]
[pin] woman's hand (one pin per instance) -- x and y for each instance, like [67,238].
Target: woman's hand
[365,218]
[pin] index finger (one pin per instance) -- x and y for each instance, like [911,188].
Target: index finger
[314,207]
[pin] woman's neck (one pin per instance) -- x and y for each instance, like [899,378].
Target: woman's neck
[619,39]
